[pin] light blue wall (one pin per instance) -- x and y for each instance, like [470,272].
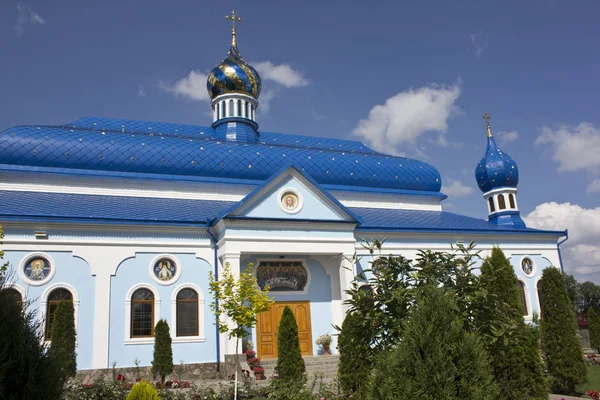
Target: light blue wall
[313,207]
[72,271]
[134,271]
[540,263]
[319,295]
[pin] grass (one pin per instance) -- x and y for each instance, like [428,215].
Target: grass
[593,379]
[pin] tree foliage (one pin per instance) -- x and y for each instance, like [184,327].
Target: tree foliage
[594,329]
[142,391]
[63,338]
[438,357]
[353,371]
[290,364]
[510,343]
[27,370]
[560,344]
[588,297]
[162,364]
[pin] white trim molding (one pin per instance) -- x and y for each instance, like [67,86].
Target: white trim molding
[127,337]
[28,258]
[201,312]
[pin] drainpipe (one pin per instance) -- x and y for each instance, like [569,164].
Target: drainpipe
[216,266]
[566,235]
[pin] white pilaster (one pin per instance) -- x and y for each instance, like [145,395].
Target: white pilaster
[233,259]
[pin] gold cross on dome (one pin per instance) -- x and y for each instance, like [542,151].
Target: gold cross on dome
[233,17]
[487,123]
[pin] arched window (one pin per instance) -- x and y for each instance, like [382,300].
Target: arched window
[491,201]
[501,202]
[239,108]
[54,299]
[511,200]
[251,111]
[247,110]
[217,110]
[15,296]
[187,312]
[142,313]
[230,114]
[540,296]
[522,296]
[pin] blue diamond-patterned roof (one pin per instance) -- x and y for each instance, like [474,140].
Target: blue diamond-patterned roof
[172,150]
[496,169]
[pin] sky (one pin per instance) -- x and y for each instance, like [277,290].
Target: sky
[410,78]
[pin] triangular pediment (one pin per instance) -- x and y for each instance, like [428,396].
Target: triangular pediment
[291,195]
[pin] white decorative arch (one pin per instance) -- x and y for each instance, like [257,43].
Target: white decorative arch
[538,279]
[201,304]
[30,256]
[127,333]
[18,288]
[528,302]
[44,303]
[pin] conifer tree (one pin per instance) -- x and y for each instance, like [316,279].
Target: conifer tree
[510,343]
[353,370]
[560,344]
[290,364]
[594,329]
[63,338]
[162,365]
[438,358]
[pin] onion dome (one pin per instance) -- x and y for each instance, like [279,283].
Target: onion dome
[233,75]
[496,169]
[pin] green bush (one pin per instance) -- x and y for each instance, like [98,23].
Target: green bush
[594,329]
[99,390]
[511,344]
[437,357]
[63,338]
[143,391]
[162,365]
[26,369]
[290,364]
[353,369]
[560,344]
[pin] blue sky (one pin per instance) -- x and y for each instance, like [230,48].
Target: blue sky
[410,77]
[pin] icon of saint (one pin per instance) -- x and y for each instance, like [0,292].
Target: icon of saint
[290,202]
[164,273]
[37,270]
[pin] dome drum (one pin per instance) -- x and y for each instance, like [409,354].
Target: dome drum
[234,105]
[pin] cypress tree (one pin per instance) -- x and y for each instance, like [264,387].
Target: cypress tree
[63,338]
[560,344]
[353,370]
[290,364]
[162,365]
[437,357]
[594,329]
[510,343]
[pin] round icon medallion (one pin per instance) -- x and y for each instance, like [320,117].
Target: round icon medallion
[37,269]
[164,269]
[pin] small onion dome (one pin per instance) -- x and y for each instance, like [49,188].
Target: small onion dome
[233,75]
[496,169]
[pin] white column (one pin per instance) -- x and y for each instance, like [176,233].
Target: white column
[236,110]
[347,274]
[214,113]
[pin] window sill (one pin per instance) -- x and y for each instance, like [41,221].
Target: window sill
[189,339]
[148,340]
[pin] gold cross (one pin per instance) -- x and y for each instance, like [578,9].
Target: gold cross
[233,18]
[487,123]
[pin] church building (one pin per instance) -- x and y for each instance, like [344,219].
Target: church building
[128,219]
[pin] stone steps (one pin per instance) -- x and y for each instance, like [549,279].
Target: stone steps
[326,366]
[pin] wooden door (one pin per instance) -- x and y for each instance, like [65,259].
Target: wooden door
[268,323]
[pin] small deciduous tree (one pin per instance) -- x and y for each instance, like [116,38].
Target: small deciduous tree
[162,365]
[438,358]
[594,329]
[290,364]
[239,299]
[353,371]
[560,344]
[63,338]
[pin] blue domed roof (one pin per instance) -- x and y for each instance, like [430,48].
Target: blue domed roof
[496,169]
[233,75]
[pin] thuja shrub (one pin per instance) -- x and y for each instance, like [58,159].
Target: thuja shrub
[560,344]
[594,329]
[437,358]
[143,391]
[290,364]
[162,365]
[63,338]
[353,370]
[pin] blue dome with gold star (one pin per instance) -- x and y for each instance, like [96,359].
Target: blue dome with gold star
[233,75]
[496,169]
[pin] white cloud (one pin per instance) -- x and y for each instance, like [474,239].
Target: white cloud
[594,186]
[282,74]
[26,15]
[479,41]
[141,91]
[581,253]
[457,189]
[574,147]
[407,115]
[507,137]
[192,87]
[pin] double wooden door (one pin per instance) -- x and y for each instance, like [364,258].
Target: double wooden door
[268,324]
